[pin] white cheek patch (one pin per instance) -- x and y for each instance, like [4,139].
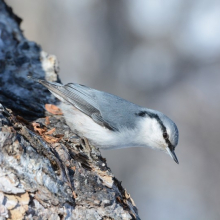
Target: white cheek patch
[152,134]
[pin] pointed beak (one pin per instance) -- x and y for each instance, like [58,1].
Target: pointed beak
[172,154]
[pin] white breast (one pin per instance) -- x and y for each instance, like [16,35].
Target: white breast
[100,136]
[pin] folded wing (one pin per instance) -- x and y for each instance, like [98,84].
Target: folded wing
[105,109]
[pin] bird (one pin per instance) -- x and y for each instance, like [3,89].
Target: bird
[110,122]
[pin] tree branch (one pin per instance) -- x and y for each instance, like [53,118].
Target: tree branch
[46,171]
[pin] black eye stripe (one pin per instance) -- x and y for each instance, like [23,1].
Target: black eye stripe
[165,135]
[141,113]
[155,116]
[163,128]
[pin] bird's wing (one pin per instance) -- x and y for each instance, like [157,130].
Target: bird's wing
[104,108]
[81,97]
[84,99]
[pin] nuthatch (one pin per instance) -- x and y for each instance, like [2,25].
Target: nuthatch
[110,122]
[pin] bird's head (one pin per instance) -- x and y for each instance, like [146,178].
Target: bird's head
[159,131]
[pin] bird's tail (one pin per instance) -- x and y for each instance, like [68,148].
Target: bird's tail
[57,89]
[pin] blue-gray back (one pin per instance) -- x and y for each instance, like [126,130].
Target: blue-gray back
[104,108]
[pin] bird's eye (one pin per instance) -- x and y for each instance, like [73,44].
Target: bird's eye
[165,135]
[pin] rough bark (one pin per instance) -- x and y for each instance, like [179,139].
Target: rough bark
[46,171]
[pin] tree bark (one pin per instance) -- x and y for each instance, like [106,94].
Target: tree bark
[46,171]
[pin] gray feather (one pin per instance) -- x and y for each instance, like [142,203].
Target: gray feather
[105,109]
[111,110]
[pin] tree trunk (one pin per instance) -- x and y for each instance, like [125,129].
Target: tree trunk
[46,171]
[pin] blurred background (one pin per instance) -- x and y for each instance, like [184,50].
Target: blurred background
[163,55]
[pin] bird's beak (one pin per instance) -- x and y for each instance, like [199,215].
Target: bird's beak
[172,154]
